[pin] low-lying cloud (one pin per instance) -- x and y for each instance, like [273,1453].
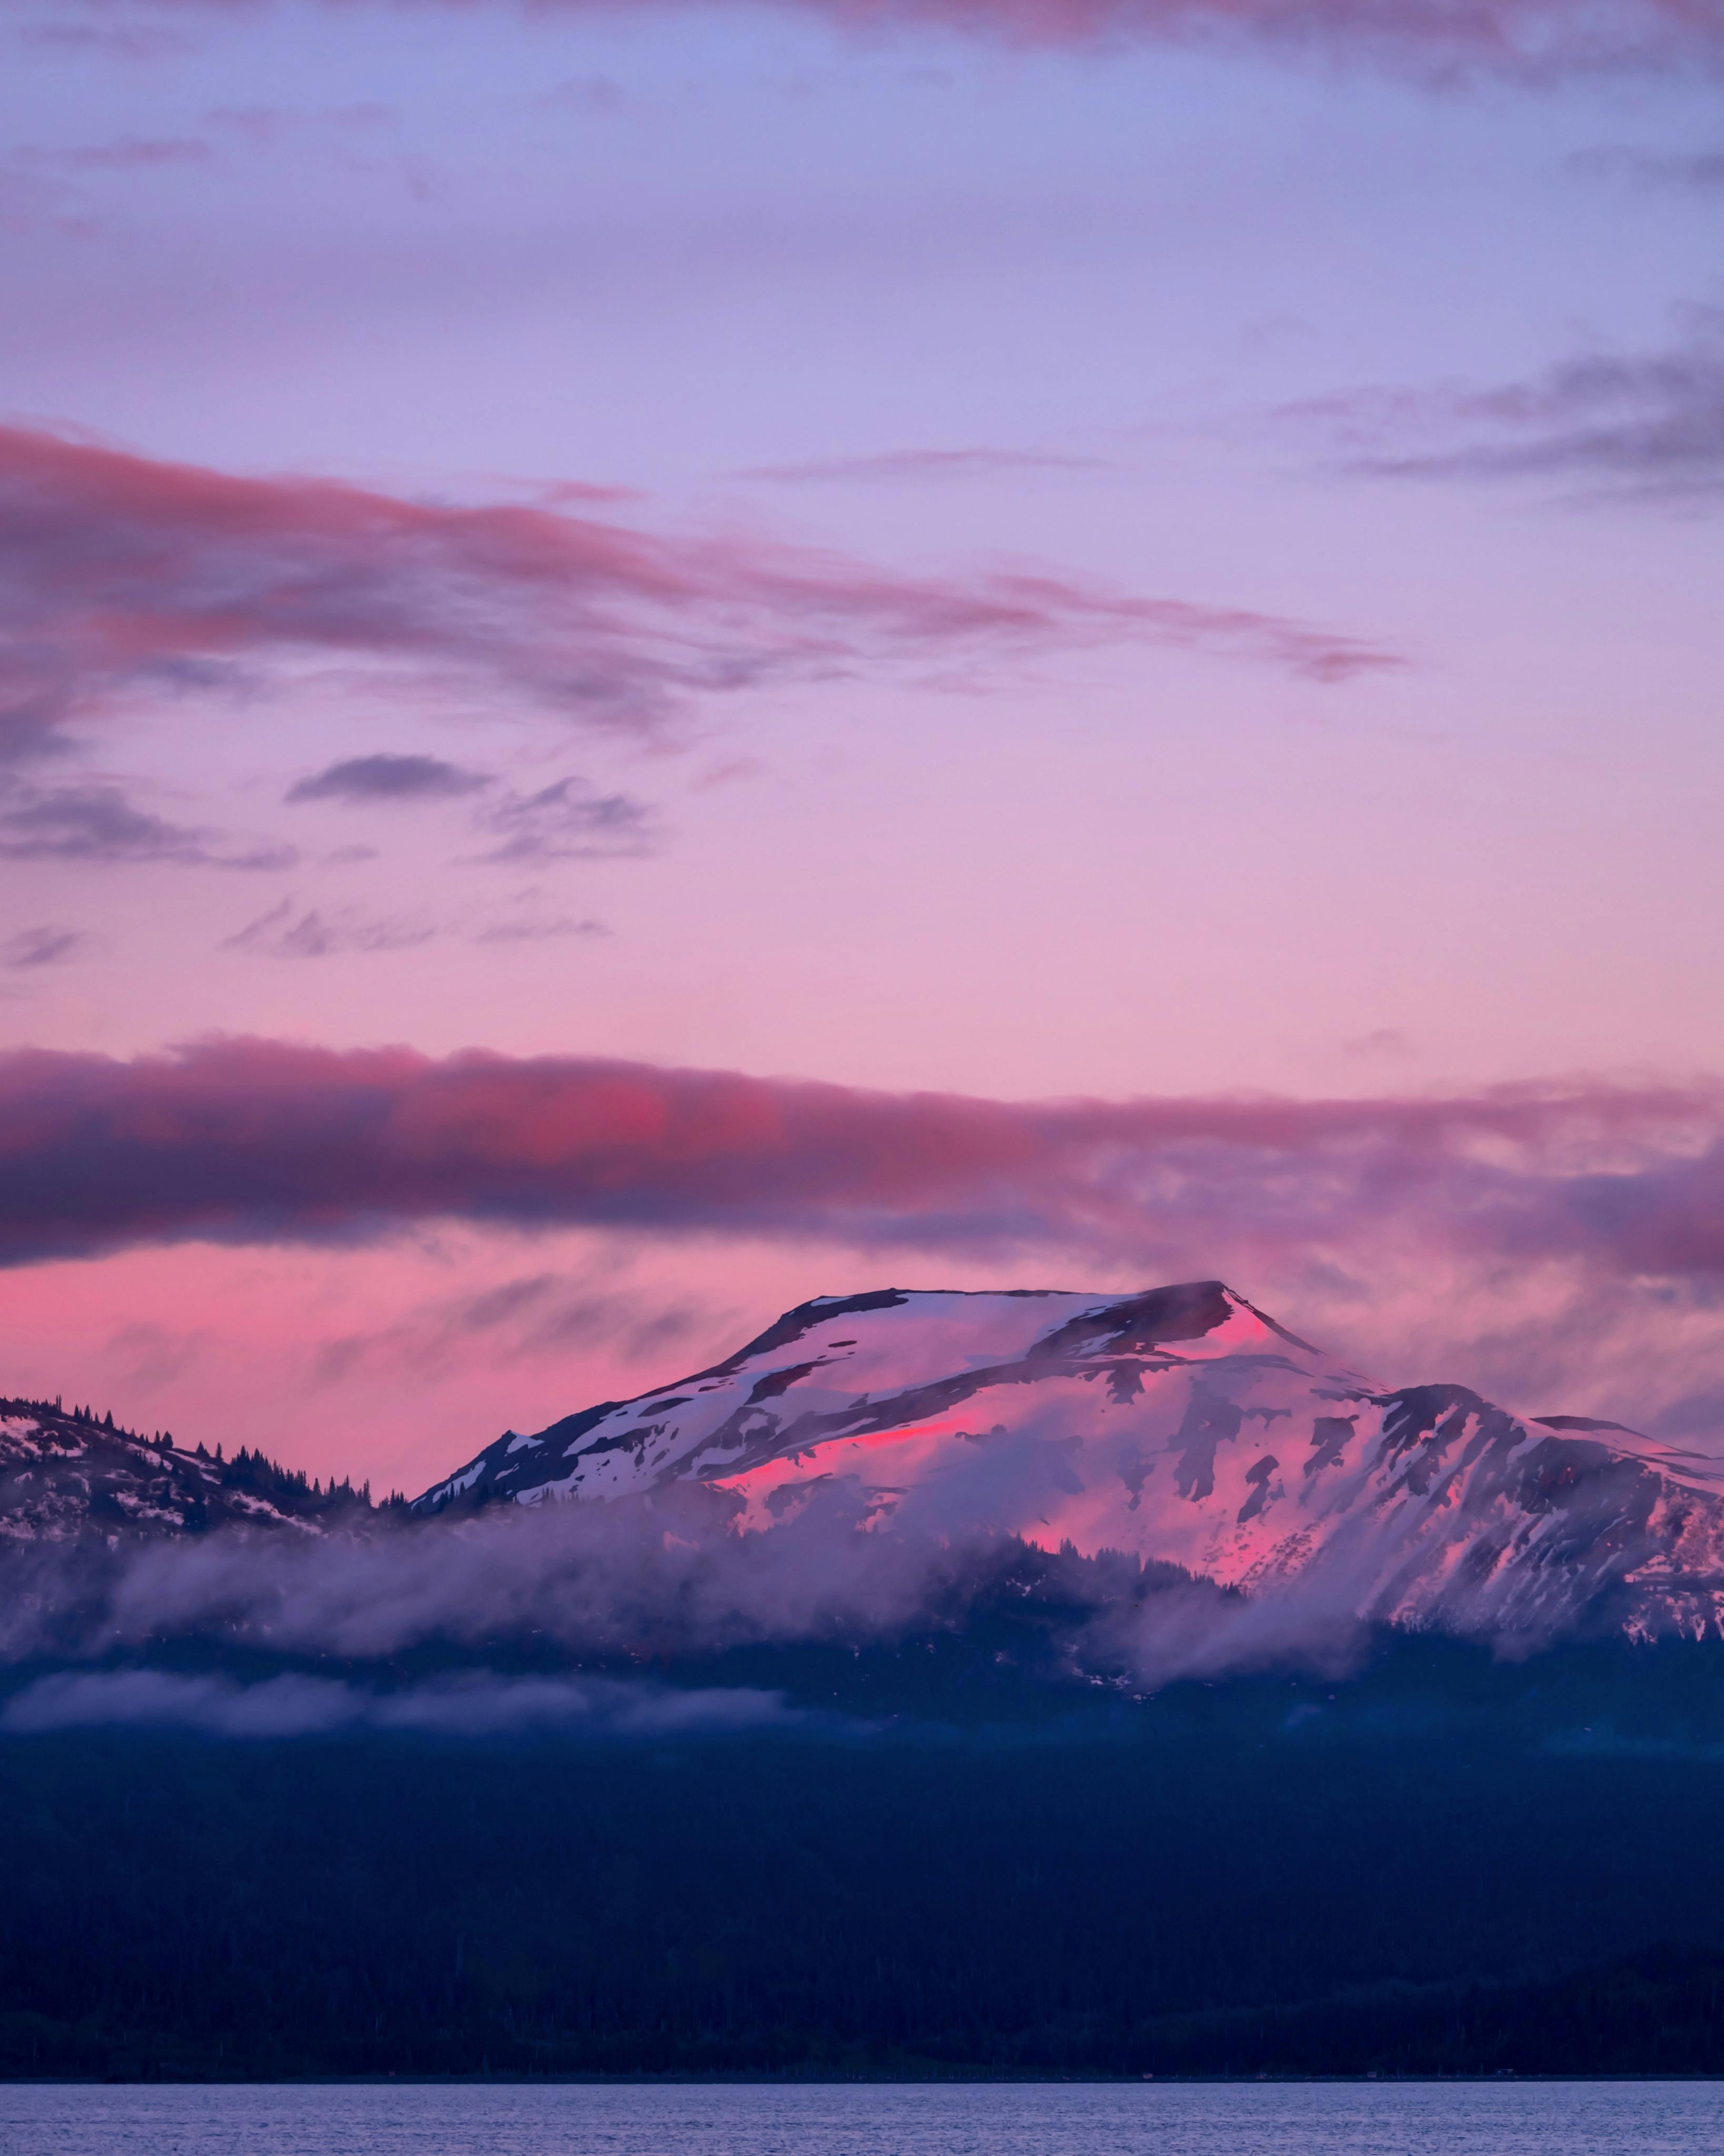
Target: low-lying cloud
[475,1705]
[668,1580]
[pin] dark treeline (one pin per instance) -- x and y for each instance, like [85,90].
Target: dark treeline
[1442,1867]
[290,1487]
[250,1469]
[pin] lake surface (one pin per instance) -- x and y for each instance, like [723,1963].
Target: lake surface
[1550,2118]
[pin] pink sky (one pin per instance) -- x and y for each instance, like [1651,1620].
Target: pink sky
[1161,557]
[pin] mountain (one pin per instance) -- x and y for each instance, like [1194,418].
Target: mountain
[1180,1424]
[63,1475]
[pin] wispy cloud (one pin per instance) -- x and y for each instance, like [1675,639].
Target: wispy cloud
[120,576]
[99,825]
[261,125]
[1528,41]
[35,202]
[42,947]
[288,932]
[567,821]
[919,465]
[588,95]
[130,153]
[1621,425]
[368,778]
[521,1318]
[1688,172]
[125,41]
[542,930]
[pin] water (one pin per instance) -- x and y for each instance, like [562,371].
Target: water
[1548,2118]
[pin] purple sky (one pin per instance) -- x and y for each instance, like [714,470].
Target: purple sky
[1020,550]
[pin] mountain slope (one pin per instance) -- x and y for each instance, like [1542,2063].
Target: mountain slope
[65,1475]
[1180,1424]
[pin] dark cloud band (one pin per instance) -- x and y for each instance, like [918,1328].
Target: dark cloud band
[260,1141]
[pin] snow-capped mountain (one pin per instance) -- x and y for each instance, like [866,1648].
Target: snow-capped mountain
[63,1475]
[1180,1424]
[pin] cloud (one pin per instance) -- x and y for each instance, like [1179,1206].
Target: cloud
[1526,41]
[1695,171]
[288,929]
[30,202]
[540,931]
[265,1142]
[475,1705]
[390,779]
[96,824]
[133,41]
[123,577]
[1620,425]
[132,154]
[42,947]
[286,933]
[567,822]
[586,94]
[671,1576]
[263,125]
[519,1319]
[920,465]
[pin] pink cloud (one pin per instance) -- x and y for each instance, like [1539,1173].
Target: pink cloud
[262,1141]
[1531,40]
[119,573]
[1525,40]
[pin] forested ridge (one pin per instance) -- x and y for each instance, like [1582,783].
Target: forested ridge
[1441,1867]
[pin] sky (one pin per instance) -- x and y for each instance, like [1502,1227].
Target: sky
[657,658]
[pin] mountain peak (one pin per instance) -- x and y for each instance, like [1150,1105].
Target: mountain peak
[1180,1423]
[858,1367]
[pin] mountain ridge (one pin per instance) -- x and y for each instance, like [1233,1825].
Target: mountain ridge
[66,1473]
[1180,1426]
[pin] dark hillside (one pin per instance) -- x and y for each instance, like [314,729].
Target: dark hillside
[1445,1866]
[68,1472]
